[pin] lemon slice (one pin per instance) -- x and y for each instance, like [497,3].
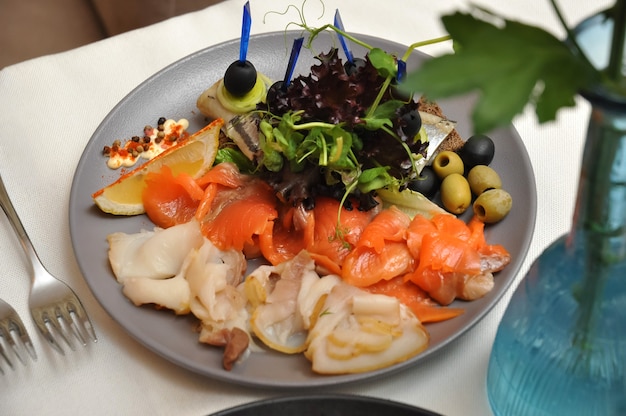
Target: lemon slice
[195,157]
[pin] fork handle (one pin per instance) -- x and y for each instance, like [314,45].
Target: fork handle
[27,245]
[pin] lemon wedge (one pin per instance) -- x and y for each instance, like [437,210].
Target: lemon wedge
[195,157]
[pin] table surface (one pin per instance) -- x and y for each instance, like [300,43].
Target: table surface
[49,108]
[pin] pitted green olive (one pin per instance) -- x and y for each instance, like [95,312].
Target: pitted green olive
[493,205]
[446,163]
[456,196]
[482,178]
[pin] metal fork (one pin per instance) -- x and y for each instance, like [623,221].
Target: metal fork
[54,306]
[13,336]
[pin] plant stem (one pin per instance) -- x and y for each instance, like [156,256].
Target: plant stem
[379,97]
[616,59]
[424,43]
[316,31]
[570,34]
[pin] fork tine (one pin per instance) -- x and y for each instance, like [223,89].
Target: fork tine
[67,317]
[73,314]
[50,329]
[4,355]
[86,324]
[19,335]
[80,321]
[13,337]
[29,345]
[80,317]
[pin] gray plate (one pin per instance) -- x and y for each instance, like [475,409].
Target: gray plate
[325,405]
[172,93]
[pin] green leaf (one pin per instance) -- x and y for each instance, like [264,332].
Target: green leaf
[509,64]
[272,160]
[387,109]
[370,174]
[373,124]
[339,147]
[383,62]
[382,115]
[232,155]
[374,178]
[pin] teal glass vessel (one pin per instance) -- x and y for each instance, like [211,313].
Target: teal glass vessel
[560,348]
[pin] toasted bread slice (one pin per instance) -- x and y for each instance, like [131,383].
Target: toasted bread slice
[454,141]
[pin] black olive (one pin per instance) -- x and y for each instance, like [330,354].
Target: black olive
[411,123]
[427,183]
[477,150]
[354,66]
[399,93]
[240,78]
[275,91]
[276,97]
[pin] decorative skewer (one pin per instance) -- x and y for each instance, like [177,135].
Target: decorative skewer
[352,64]
[339,25]
[401,70]
[293,59]
[246,24]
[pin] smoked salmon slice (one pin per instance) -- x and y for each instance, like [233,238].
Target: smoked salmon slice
[416,299]
[453,258]
[170,200]
[418,227]
[336,230]
[381,253]
[389,225]
[226,174]
[364,266]
[318,231]
[283,240]
[237,216]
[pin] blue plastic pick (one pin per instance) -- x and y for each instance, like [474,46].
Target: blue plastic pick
[245,32]
[342,40]
[401,70]
[293,58]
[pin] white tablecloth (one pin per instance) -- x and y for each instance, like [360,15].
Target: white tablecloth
[50,106]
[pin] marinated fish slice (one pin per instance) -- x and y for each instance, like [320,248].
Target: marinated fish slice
[243,129]
[350,338]
[437,129]
[277,321]
[157,254]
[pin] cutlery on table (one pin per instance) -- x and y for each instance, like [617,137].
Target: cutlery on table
[13,336]
[54,306]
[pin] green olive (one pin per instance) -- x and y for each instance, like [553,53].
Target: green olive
[446,163]
[492,205]
[482,178]
[455,193]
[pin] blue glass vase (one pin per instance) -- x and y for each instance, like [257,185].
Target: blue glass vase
[560,348]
